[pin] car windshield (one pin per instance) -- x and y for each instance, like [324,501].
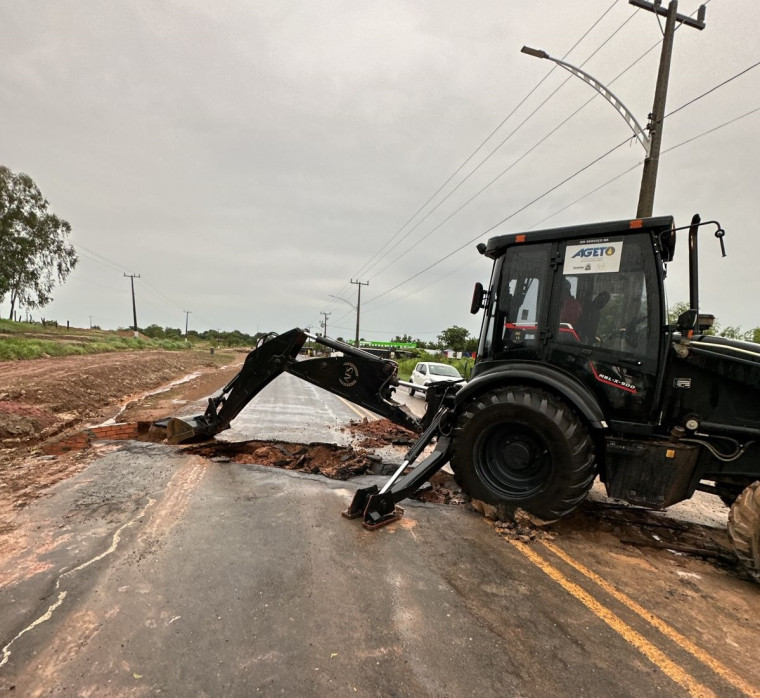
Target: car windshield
[443,370]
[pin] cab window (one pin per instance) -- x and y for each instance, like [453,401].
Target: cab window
[604,295]
[516,317]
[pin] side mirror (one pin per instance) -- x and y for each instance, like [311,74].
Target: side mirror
[687,321]
[478,295]
[668,244]
[705,322]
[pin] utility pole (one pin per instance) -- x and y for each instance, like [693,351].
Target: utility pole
[358,306]
[187,315]
[649,174]
[91,316]
[132,278]
[324,323]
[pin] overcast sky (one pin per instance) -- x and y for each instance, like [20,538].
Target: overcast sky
[249,159]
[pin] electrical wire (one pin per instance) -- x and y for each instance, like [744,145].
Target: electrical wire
[99,258]
[593,191]
[711,90]
[503,220]
[541,141]
[364,268]
[630,169]
[503,142]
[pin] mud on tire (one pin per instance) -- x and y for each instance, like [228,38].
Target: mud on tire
[744,528]
[522,447]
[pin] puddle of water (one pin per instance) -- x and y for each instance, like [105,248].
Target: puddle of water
[142,396]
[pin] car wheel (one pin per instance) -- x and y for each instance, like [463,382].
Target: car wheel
[521,447]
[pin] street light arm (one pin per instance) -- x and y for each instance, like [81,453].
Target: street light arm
[630,119]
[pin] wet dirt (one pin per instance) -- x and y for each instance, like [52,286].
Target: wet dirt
[380,432]
[335,462]
[43,399]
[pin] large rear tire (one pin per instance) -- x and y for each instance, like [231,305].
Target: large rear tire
[744,528]
[522,447]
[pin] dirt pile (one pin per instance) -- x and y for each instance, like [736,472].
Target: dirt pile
[381,432]
[335,462]
[20,421]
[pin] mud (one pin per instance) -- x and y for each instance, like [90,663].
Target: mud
[335,462]
[380,432]
[44,397]
[44,400]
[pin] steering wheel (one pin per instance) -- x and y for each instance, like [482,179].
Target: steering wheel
[628,332]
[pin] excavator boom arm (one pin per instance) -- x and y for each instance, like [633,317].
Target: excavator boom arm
[357,375]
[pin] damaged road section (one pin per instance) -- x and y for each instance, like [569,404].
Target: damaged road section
[334,462]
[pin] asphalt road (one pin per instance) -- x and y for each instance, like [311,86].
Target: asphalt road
[154,572]
[294,408]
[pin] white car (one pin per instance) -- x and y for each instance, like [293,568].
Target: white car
[427,372]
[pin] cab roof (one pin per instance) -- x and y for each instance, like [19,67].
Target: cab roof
[497,245]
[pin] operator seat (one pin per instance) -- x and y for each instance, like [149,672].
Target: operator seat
[589,321]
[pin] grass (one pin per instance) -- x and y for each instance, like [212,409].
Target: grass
[406,366]
[23,340]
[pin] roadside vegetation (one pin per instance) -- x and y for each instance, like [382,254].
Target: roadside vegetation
[25,340]
[406,366]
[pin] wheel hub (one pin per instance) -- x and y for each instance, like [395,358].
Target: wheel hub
[518,455]
[514,462]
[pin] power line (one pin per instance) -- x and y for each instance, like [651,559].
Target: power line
[528,152]
[712,89]
[503,220]
[479,147]
[493,152]
[99,258]
[523,156]
[593,191]
[630,169]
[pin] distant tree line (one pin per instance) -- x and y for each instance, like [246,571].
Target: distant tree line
[220,338]
[717,330]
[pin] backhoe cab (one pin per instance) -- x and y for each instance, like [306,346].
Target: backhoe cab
[578,374]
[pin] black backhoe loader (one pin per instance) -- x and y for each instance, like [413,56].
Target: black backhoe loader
[578,374]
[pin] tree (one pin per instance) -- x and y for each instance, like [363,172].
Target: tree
[471,346]
[454,337]
[153,331]
[675,310]
[34,248]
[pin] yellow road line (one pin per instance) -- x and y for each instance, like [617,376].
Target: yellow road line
[652,653]
[723,671]
[363,413]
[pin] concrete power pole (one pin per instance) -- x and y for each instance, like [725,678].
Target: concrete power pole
[358,306]
[324,323]
[649,174]
[187,317]
[132,278]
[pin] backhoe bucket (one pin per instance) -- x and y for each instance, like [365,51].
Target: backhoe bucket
[182,429]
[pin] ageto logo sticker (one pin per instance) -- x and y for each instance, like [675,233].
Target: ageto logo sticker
[593,257]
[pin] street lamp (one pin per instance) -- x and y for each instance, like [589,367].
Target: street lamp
[652,141]
[630,119]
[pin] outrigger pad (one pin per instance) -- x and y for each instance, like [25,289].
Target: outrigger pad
[359,502]
[381,510]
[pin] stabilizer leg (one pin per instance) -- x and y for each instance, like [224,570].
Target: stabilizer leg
[378,507]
